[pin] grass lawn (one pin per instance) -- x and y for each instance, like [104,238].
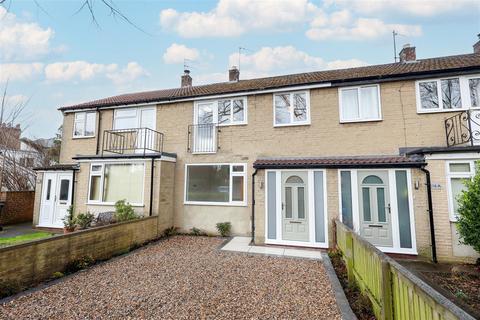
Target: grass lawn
[23,238]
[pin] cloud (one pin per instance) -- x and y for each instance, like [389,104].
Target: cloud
[236,17]
[176,53]
[22,40]
[341,26]
[270,61]
[423,8]
[130,73]
[16,100]
[19,71]
[83,70]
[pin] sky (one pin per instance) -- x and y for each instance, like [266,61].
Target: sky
[52,54]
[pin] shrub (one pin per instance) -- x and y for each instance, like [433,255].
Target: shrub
[224,228]
[79,264]
[196,232]
[69,219]
[468,223]
[57,275]
[124,211]
[170,231]
[7,288]
[84,220]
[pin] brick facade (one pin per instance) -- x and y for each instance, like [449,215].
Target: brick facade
[18,207]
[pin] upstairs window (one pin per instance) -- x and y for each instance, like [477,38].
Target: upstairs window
[291,108]
[84,125]
[448,94]
[360,104]
[223,112]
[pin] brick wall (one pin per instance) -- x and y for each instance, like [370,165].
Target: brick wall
[32,262]
[18,207]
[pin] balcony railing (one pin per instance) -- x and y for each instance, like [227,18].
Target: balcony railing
[135,140]
[463,128]
[203,138]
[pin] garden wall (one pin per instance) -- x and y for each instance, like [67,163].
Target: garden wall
[394,291]
[26,264]
[18,207]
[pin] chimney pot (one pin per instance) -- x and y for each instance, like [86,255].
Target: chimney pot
[407,53]
[233,74]
[186,79]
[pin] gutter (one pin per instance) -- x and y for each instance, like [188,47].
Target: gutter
[340,166]
[253,205]
[430,214]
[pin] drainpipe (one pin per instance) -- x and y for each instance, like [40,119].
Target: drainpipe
[98,130]
[151,187]
[73,188]
[430,214]
[253,205]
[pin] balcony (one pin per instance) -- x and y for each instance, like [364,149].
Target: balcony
[203,138]
[135,140]
[463,128]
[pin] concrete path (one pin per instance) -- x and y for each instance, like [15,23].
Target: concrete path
[242,244]
[17,230]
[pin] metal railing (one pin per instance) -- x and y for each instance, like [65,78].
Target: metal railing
[134,140]
[463,128]
[203,138]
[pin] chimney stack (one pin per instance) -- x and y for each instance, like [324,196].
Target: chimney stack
[476,46]
[186,79]
[408,53]
[233,74]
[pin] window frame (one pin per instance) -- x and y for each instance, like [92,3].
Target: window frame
[464,94]
[461,175]
[292,123]
[360,118]
[74,136]
[101,173]
[230,184]
[215,103]
[138,117]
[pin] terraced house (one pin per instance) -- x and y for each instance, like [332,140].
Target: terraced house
[384,148]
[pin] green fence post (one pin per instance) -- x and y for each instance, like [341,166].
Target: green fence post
[387,293]
[349,256]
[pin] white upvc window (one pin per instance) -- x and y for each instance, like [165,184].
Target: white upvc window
[134,118]
[291,108]
[216,184]
[457,172]
[448,94]
[224,112]
[110,182]
[361,103]
[84,124]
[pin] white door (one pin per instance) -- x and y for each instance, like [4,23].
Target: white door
[204,133]
[56,198]
[375,209]
[147,138]
[47,204]
[295,206]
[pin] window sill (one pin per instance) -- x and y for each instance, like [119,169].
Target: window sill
[441,110]
[361,120]
[291,124]
[232,124]
[82,137]
[220,204]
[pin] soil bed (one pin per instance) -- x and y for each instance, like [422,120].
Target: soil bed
[359,303]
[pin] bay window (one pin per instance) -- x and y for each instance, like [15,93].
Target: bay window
[360,103]
[84,125]
[111,182]
[448,94]
[291,108]
[215,184]
[457,173]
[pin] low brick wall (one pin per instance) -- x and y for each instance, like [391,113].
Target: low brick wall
[33,262]
[18,207]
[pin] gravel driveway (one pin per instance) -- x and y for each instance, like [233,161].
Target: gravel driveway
[185,278]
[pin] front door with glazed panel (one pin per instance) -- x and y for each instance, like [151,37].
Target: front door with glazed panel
[375,209]
[295,206]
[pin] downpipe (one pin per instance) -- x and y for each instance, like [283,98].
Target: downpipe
[253,205]
[430,214]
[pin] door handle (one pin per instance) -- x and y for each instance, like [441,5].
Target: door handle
[283,206]
[389,208]
[375,226]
